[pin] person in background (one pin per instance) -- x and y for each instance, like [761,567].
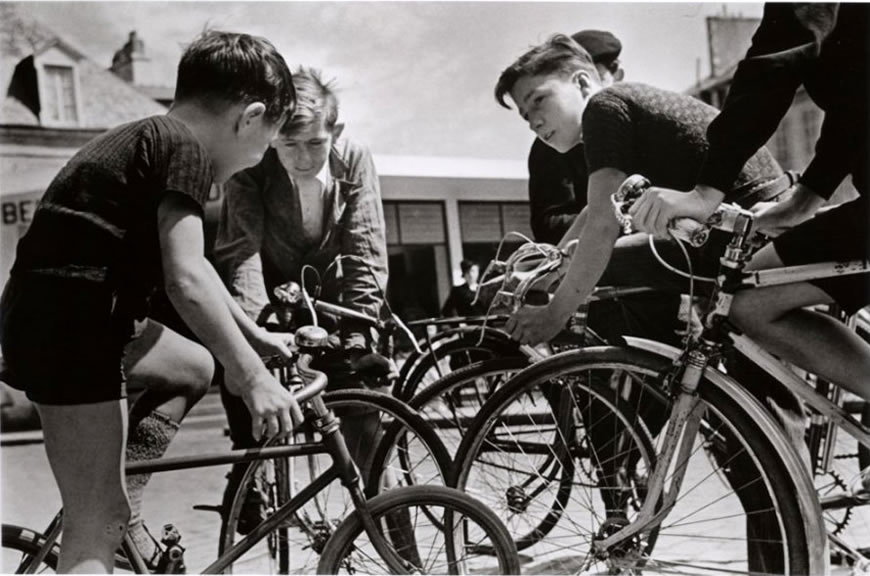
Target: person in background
[313,200]
[460,301]
[122,216]
[557,181]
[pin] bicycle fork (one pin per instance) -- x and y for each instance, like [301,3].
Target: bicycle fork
[683,426]
[329,427]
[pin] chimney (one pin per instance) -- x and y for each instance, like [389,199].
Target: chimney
[128,62]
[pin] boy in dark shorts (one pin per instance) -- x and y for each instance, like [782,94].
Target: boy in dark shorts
[823,47]
[122,216]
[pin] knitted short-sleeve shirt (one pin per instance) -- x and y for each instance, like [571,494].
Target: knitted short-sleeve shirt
[639,129]
[98,219]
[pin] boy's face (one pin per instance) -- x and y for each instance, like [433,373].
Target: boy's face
[304,153]
[553,105]
[472,275]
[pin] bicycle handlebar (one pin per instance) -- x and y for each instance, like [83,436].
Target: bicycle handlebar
[727,217]
[315,380]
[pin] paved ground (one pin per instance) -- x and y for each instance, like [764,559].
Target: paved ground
[30,498]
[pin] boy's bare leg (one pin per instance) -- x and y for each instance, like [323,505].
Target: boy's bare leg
[85,447]
[176,373]
[775,318]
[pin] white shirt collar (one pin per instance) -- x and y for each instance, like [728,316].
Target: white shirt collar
[323,176]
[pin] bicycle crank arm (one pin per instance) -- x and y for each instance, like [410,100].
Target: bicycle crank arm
[682,429]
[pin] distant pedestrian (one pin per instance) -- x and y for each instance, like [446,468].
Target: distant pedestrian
[460,300]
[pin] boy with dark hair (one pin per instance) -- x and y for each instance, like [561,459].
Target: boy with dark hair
[123,215]
[628,128]
[557,181]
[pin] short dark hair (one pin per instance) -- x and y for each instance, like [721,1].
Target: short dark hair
[315,101]
[225,68]
[560,54]
[466,265]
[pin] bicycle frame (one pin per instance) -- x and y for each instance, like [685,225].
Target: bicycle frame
[343,468]
[694,364]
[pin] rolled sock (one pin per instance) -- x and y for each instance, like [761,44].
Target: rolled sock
[148,439]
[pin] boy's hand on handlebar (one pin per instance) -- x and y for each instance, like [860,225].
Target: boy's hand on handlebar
[274,410]
[774,218]
[657,207]
[271,344]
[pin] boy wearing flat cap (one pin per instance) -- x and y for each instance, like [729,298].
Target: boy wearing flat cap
[557,182]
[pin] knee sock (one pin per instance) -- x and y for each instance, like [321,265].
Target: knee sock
[148,439]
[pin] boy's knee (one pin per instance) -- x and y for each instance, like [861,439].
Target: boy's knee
[198,374]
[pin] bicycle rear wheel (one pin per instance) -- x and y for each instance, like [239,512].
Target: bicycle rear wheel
[403,451]
[751,521]
[468,538]
[20,546]
[451,355]
[451,403]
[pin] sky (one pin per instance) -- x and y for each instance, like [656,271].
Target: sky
[413,78]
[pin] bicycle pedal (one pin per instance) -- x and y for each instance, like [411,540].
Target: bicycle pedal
[208,508]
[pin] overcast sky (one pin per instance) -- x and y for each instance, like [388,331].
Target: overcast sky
[414,78]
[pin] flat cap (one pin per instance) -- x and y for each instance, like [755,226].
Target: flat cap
[602,46]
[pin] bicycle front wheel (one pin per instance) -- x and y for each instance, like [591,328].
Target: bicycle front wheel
[738,508]
[391,444]
[466,538]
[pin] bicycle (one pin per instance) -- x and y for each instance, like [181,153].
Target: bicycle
[490,357]
[713,432]
[367,540]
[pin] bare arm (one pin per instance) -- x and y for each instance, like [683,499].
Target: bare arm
[573,233]
[533,324]
[264,342]
[201,303]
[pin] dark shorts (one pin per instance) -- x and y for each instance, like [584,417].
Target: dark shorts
[61,343]
[841,234]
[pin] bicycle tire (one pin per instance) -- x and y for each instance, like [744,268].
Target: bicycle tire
[546,486]
[780,478]
[450,403]
[351,540]
[311,526]
[22,544]
[465,349]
